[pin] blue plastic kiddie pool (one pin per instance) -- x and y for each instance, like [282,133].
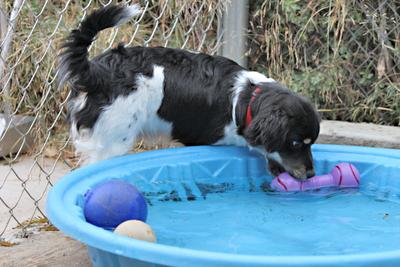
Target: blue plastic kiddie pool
[211,206]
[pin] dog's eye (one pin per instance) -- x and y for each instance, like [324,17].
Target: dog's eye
[297,144]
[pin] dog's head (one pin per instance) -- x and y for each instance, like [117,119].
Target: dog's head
[284,125]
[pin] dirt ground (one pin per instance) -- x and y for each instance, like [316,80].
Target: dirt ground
[47,249]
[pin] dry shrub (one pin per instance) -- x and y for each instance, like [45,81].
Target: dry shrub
[344,55]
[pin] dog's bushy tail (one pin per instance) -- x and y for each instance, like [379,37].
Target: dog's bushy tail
[74,63]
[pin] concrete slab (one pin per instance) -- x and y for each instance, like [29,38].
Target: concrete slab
[15,136]
[23,189]
[359,134]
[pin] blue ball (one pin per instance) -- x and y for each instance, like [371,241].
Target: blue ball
[112,202]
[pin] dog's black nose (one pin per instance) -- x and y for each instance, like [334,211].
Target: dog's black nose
[310,173]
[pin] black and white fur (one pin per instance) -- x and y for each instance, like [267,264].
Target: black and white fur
[194,98]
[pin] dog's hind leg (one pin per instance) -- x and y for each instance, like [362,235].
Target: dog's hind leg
[120,123]
[114,133]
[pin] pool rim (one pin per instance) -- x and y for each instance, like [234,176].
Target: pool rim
[99,238]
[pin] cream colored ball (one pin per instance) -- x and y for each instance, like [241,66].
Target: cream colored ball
[136,229]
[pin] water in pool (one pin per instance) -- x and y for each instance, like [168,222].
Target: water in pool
[258,223]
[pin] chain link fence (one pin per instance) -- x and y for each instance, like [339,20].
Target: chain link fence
[34,146]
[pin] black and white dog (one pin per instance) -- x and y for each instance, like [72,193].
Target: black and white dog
[194,98]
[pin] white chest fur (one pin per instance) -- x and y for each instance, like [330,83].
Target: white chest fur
[231,137]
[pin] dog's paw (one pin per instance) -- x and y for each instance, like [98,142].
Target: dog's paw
[275,168]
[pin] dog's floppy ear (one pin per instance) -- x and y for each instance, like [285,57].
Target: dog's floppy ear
[269,128]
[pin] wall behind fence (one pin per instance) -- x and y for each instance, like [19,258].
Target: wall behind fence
[34,31]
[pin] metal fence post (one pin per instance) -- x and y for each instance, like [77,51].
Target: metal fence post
[5,47]
[234,30]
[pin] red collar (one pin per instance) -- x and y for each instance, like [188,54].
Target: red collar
[249,117]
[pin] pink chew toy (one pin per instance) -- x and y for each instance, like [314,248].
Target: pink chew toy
[342,176]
